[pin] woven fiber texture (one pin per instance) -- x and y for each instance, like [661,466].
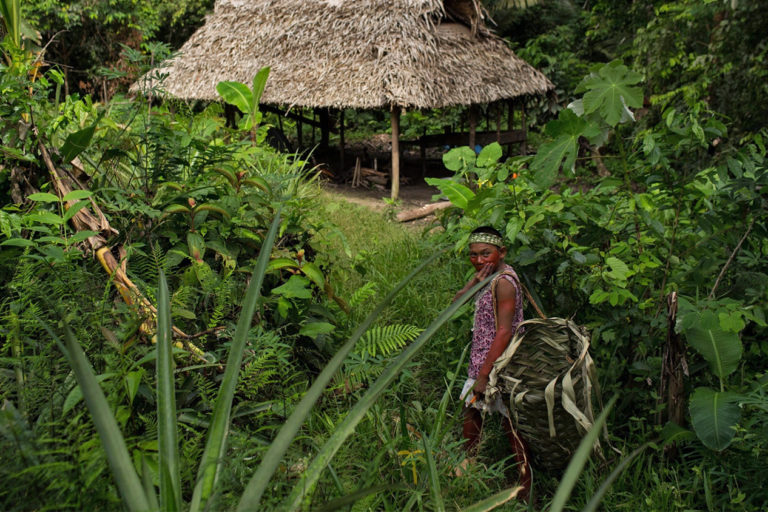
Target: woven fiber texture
[547,377]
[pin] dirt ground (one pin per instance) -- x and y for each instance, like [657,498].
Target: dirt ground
[411,196]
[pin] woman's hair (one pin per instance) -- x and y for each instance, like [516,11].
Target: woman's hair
[487,229]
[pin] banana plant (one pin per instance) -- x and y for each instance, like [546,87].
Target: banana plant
[246,99]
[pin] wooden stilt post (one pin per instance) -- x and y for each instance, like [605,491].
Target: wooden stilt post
[299,130]
[472,126]
[341,140]
[324,128]
[510,121]
[524,145]
[423,153]
[498,122]
[395,121]
[314,118]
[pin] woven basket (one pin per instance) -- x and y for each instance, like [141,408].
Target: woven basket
[547,376]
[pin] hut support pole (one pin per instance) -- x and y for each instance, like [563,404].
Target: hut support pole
[524,145]
[324,127]
[499,107]
[395,121]
[510,121]
[341,140]
[472,125]
[298,131]
[423,153]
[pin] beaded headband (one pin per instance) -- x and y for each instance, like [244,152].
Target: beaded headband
[486,238]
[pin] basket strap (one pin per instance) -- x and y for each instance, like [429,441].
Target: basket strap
[531,301]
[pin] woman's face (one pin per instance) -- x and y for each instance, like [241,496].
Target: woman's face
[482,254]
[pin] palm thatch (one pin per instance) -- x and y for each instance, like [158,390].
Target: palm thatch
[547,376]
[354,54]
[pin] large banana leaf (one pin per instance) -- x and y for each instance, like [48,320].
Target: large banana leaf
[714,417]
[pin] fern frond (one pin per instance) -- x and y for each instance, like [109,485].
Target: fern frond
[387,339]
[362,294]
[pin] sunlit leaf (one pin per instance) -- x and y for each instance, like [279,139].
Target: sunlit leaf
[314,273]
[489,155]
[610,92]
[457,193]
[315,329]
[77,195]
[237,94]
[43,197]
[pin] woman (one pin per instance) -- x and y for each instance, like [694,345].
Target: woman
[498,312]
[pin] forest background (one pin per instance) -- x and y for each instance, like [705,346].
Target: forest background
[640,211]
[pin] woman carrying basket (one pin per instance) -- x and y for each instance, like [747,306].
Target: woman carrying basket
[498,312]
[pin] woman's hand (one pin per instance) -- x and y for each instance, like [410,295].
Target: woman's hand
[485,271]
[480,384]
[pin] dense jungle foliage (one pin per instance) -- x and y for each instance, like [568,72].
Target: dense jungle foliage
[260,344]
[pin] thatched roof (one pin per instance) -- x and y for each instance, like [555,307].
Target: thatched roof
[353,53]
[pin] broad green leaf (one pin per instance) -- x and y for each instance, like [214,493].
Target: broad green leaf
[177,208]
[714,417]
[132,381]
[566,130]
[207,207]
[112,440]
[259,81]
[456,193]
[315,329]
[295,287]
[459,159]
[314,273]
[251,497]
[72,210]
[237,94]
[77,142]
[44,197]
[216,444]
[82,235]
[279,263]
[618,269]
[167,436]
[76,195]
[610,92]
[513,228]
[45,217]
[721,349]
[489,155]
[18,242]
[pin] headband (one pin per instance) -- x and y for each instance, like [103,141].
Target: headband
[486,238]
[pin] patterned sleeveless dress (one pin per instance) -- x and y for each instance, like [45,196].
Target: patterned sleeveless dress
[483,333]
[484,329]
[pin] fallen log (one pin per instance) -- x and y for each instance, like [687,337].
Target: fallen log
[422,211]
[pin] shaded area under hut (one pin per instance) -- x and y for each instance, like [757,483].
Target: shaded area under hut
[331,55]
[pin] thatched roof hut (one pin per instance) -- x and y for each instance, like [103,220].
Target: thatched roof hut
[353,54]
